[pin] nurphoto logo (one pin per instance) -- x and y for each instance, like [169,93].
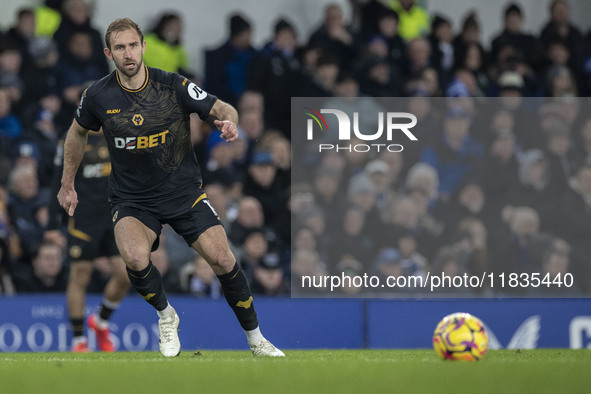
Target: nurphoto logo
[389,123]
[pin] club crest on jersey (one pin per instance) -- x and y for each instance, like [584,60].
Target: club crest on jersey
[137,119]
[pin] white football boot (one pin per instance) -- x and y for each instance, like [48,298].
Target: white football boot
[265,349]
[170,345]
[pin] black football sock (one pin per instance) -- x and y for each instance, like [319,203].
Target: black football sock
[148,283]
[77,325]
[239,298]
[107,308]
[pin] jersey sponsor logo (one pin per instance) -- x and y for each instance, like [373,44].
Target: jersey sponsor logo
[196,92]
[137,120]
[143,142]
[98,170]
[113,111]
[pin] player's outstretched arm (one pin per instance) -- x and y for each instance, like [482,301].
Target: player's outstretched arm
[74,148]
[227,119]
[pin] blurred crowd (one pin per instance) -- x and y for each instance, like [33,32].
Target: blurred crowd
[480,195]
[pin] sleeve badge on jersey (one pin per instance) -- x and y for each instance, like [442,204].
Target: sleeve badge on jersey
[196,92]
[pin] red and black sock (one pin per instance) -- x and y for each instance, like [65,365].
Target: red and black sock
[77,325]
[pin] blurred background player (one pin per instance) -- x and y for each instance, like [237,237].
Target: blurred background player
[90,236]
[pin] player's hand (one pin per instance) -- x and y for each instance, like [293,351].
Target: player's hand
[228,129]
[68,199]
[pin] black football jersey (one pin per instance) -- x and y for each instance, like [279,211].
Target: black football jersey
[147,133]
[91,182]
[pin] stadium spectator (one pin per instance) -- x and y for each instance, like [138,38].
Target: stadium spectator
[165,49]
[22,33]
[478,246]
[217,193]
[500,168]
[512,251]
[410,213]
[442,54]
[378,173]
[263,264]
[419,54]
[470,32]
[472,58]
[557,151]
[463,84]
[514,36]
[48,18]
[274,72]
[414,19]
[469,200]
[40,74]
[575,221]
[350,268]
[560,82]
[77,68]
[251,127]
[251,100]
[322,80]
[306,264]
[226,67]
[76,18]
[453,261]
[261,183]
[326,195]
[560,27]
[365,17]
[198,279]
[220,159]
[388,263]
[250,216]
[6,285]
[582,142]
[424,179]
[456,153]
[28,210]
[362,193]
[304,238]
[556,263]
[252,251]
[334,37]
[279,146]
[170,275]
[378,79]
[10,79]
[10,125]
[406,243]
[536,189]
[47,272]
[43,138]
[388,30]
[355,237]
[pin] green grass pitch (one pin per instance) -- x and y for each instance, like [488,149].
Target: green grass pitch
[313,371]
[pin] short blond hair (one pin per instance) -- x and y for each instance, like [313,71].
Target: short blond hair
[122,24]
